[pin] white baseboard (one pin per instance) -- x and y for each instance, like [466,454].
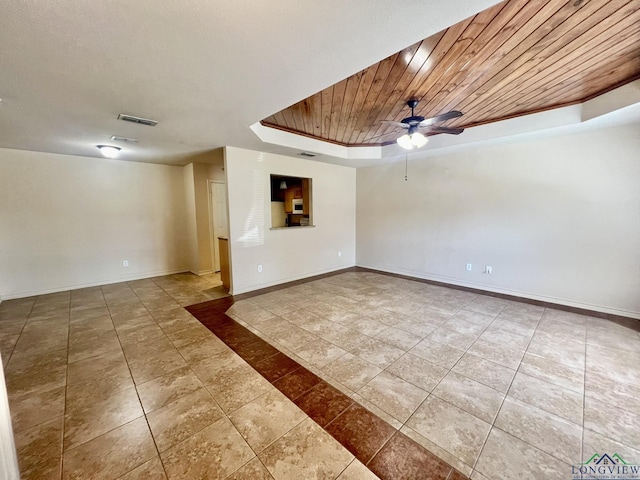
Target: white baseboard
[515,293]
[107,281]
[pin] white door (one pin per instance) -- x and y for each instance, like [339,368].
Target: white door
[218,198]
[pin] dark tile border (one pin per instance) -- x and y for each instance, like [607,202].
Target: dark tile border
[370,439]
[323,403]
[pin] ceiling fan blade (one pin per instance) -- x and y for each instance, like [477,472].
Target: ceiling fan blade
[397,124]
[440,118]
[449,130]
[381,136]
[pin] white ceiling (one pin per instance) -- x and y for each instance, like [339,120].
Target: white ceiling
[205,70]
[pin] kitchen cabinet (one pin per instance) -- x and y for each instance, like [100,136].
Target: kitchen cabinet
[297,192]
[292,193]
[306,197]
[288,200]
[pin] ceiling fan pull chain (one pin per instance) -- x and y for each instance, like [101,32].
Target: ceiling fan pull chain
[406,165]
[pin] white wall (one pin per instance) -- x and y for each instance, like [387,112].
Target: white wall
[558,219]
[293,253]
[8,460]
[68,222]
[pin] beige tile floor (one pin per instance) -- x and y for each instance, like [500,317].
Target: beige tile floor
[496,388]
[121,382]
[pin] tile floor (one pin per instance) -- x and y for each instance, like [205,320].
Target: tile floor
[121,382]
[387,452]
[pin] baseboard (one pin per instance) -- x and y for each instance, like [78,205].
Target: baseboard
[205,272]
[251,288]
[107,281]
[516,294]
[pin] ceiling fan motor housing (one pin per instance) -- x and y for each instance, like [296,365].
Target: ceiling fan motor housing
[414,119]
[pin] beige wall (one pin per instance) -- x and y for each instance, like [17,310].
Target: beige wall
[286,254]
[68,222]
[558,219]
[191,233]
[196,178]
[203,172]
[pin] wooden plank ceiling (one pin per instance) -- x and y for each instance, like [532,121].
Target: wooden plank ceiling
[516,58]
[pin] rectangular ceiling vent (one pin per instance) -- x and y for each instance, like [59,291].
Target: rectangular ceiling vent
[307,154]
[140,120]
[116,138]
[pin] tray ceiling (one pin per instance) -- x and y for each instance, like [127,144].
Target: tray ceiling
[516,58]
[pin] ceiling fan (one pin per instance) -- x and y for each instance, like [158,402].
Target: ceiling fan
[413,138]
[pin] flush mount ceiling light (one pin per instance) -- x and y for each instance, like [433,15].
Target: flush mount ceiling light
[109,151]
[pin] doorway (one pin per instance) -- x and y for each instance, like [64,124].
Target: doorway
[218,219]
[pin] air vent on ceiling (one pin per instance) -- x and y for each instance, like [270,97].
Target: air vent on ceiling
[141,121]
[307,154]
[116,138]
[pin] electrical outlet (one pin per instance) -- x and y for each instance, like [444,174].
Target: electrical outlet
[469,267]
[489,269]
[259,268]
[339,253]
[125,263]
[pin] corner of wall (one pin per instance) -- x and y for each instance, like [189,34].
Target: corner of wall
[209,168]
[70,221]
[190,207]
[534,210]
[286,254]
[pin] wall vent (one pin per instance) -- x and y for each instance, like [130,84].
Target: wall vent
[116,138]
[141,121]
[308,154]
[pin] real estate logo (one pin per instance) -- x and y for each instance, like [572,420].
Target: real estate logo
[605,467]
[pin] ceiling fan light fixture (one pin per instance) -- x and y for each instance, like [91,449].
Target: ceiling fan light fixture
[109,151]
[418,140]
[405,142]
[410,140]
